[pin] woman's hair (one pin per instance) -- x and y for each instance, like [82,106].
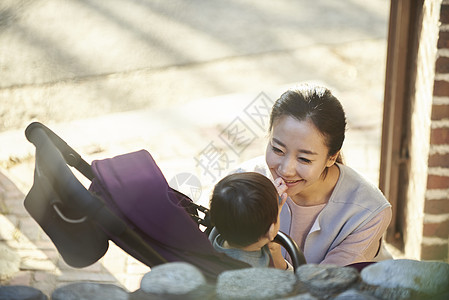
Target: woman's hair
[317,104]
[243,207]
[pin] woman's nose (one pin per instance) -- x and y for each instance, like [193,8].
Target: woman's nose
[286,168]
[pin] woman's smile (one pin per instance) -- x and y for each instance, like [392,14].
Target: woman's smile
[291,183]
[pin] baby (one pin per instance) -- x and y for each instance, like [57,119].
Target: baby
[245,208]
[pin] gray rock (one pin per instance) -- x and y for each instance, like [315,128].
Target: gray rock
[206,291]
[9,262]
[429,277]
[20,292]
[327,280]
[89,291]
[175,278]
[394,293]
[305,296]
[442,296]
[354,295]
[255,283]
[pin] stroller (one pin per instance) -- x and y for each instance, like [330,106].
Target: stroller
[128,202]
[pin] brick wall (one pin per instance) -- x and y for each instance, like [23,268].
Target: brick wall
[426,32]
[436,207]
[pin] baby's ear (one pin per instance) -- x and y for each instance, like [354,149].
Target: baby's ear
[272,232]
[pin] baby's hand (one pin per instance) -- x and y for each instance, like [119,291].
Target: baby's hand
[281,187]
[276,254]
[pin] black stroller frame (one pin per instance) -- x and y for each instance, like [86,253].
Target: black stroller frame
[80,224]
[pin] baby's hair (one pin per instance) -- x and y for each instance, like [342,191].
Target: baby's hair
[243,206]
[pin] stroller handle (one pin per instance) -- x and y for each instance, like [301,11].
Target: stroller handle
[282,239]
[290,245]
[51,164]
[71,157]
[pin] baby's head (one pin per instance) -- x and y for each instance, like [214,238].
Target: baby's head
[245,208]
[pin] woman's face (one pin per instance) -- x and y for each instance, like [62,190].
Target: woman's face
[297,153]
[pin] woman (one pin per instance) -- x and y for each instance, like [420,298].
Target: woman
[334,215]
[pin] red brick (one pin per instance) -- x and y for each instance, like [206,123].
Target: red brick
[444,14]
[439,136]
[441,88]
[443,40]
[434,252]
[437,182]
[436,206]
[442,65]
[440,111]
[440,230]
[439,160]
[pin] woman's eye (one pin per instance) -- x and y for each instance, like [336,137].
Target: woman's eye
[305,160]
[276,150]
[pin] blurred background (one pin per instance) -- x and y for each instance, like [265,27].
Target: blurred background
[179,72]
[178,78]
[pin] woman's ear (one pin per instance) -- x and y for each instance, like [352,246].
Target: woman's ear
[331,160]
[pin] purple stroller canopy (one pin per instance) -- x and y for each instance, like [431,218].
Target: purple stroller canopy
[133,186]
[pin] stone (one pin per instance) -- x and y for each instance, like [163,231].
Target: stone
[327,280]
[91,291]
[429,277]
[354,295]
[82,275]
[305,296]
[9,262]
[442,296]
[37,265]
[255,283]
[8,227]
[174,278]
[394,293]
[21,278]
[206,291]
[21,292]
[47,282]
